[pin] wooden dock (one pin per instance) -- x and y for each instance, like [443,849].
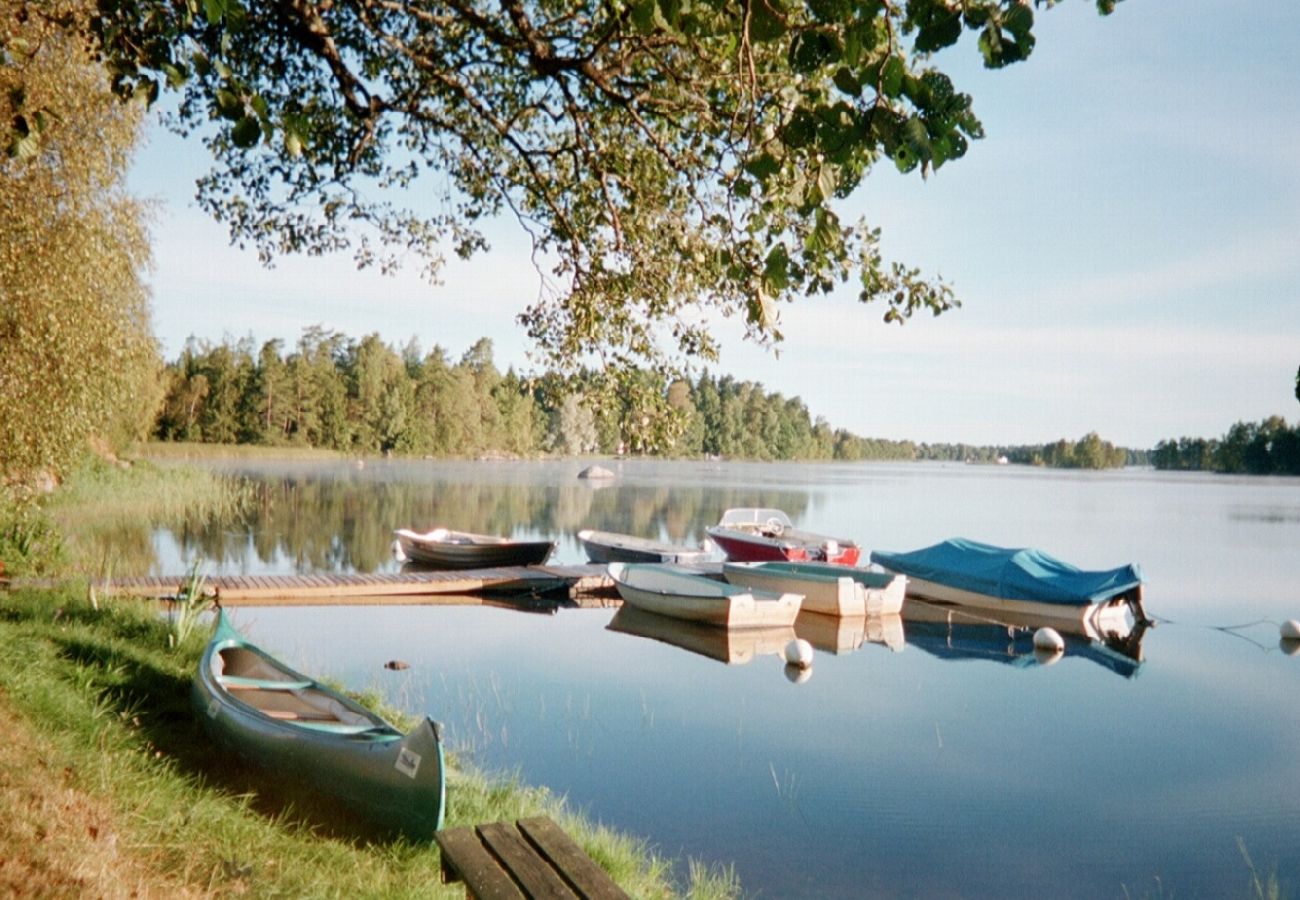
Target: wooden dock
[583,585]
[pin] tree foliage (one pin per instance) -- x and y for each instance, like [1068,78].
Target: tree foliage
[665,156]
[1270,447]
[425,404]
[77,359]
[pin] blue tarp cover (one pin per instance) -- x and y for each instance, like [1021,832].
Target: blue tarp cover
[1024,574]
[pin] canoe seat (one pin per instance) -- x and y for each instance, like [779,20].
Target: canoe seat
[338,727]
[240,683]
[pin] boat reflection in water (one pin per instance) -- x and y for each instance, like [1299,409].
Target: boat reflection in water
[733,646]
[844,634]
[946,632]
[951,632]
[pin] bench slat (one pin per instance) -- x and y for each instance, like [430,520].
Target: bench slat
[465,859]
[586,877]
[538,879]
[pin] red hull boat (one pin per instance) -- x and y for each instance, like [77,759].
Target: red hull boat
[751,534]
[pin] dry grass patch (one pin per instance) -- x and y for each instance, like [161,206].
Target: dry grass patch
[55,839]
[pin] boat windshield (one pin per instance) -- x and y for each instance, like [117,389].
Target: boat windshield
[753,517]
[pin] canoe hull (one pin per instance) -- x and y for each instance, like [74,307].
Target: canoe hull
[695,598]
[444,549]
[348,757]
[608,547]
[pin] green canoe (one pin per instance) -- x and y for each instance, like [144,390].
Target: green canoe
[318,741]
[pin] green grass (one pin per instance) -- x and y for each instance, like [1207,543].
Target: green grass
[104,495]
[106,753]
[108,704]
[98,522]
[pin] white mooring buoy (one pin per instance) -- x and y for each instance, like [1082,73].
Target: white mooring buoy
[1049,639]
[799,653]
[1291,630]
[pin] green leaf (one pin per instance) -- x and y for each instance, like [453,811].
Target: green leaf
[647,17]
[766,20]
[810,50]
[828,179]
[246,133]
[891,77]
[847,82]
[229,106]
[990,44]
[176,75]
[800,130]
[236,15]
[1019,20]
[939,34]
[146,91]
[776,270]
[763,166]
[202,66]
[830,11]
[214,10]
[825,232]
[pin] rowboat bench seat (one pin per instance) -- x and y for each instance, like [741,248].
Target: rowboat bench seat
[529,858]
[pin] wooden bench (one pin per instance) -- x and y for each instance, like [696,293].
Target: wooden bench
[531,858]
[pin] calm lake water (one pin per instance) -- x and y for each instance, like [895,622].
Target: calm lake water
[921,758]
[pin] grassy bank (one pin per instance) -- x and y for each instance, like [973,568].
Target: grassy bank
[90,527]
[108,786]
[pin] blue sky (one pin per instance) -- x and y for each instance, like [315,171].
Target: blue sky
[1125,241]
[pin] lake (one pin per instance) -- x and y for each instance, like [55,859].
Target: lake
[920,758]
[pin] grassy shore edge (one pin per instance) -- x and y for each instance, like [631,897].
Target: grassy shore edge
[111,789]
[108,788]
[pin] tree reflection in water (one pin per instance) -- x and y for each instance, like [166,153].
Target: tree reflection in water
[309,518]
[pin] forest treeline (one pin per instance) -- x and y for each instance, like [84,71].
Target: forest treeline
[365,396]
[1270,447]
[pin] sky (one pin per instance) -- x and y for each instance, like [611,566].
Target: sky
[1125,243]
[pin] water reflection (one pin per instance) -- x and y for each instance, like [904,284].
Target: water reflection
[955,634]
[844,634]
[732,646]
[945,632]
[309,520]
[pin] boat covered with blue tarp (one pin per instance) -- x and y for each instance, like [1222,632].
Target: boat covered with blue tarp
[971,573]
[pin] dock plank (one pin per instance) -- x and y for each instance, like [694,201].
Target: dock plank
[534,875]
[464,858]
[587,585]
[586,878]
[532,858]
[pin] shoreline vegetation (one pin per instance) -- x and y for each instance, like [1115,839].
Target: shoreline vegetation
[1270,447]
[363,396]
[108,786]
